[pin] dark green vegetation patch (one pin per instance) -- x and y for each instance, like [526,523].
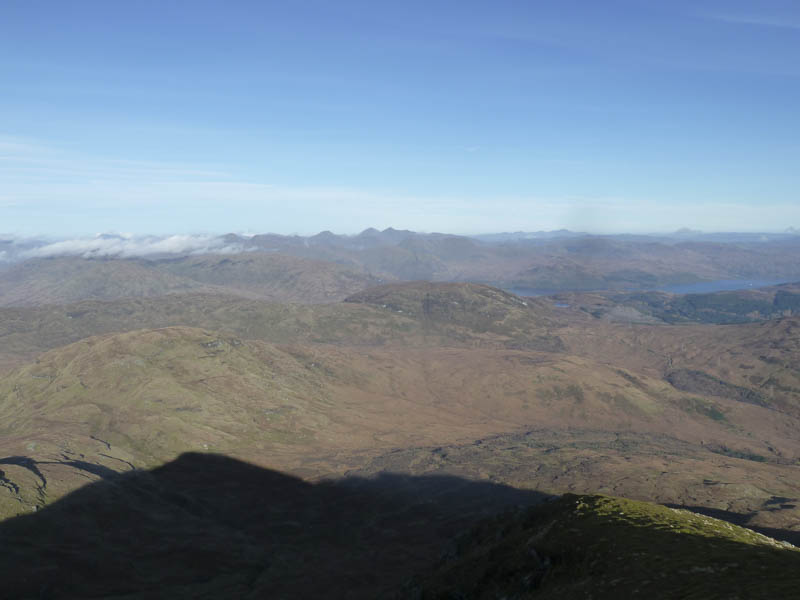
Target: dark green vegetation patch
[603,547]
[699,382]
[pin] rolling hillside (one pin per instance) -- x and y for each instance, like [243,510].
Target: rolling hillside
[143,397]
[505,320]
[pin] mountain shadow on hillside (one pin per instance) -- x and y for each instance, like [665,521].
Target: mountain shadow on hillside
[209,526]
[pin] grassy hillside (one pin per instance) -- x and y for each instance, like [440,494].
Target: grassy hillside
[645,466]
[451,308]
[605,547]
[483,318]
[752,362]
[142,397]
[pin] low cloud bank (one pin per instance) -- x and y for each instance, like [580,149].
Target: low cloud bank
[126,246]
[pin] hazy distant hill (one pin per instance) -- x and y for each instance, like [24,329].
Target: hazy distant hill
[274,277]
[506,321]
[514,236]
[550,261]
[37,282]
[46,281]
[480,309]
[740,306]
[556,261]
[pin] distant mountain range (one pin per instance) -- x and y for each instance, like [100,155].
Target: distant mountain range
[328,267]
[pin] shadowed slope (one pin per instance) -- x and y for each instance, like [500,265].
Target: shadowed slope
[207,526]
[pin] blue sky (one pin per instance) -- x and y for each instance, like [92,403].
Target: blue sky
[467,117]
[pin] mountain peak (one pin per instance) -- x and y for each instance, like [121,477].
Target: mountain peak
[369,232]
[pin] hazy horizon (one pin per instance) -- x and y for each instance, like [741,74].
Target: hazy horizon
[246,233]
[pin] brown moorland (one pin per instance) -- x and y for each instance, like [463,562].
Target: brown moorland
[141,398]
[417,378]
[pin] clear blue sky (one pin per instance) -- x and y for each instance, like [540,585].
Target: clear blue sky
[460,116]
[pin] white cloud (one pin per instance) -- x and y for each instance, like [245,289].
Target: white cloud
[132,246]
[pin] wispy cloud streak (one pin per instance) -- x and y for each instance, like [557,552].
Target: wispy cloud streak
[757,21]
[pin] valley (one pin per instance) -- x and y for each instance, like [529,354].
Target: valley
[364,379]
